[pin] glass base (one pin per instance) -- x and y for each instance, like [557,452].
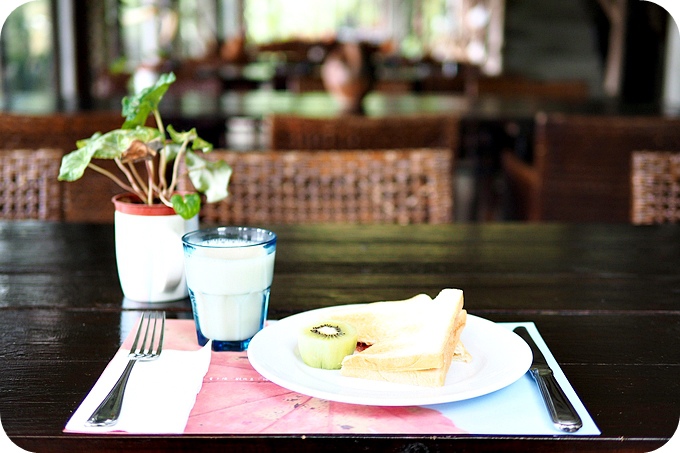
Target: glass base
[219,345]
[239,309]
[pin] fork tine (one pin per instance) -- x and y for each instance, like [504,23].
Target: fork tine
[152,342]
[148,352]
[147,347]
[144,344]
[139,332]
[160,341]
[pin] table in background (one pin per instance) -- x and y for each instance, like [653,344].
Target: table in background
[604,297]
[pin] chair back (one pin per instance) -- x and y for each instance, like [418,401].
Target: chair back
[56,130]
[295,132]
[584,163]
[89,198]
[28,184]
[364,186]
[655,187]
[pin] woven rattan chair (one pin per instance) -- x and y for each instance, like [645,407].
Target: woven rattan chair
[28,184]
[582,164]
[655,186]
[295,132]
[89,198]
[366,186]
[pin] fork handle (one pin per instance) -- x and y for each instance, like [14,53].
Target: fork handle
[108,411]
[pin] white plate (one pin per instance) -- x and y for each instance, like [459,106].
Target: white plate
[499,358]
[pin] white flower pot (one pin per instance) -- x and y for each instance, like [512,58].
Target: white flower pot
[149,252]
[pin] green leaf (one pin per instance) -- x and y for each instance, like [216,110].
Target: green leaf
[210,178]
[136,108]
[73,164]
[114,143]
[181,137]
[102,146]
[178,139]
[202,145]
[83,142]
[198,143]
[186,206]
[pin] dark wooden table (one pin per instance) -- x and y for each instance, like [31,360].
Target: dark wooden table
[606,299]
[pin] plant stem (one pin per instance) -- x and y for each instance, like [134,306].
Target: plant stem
[136,188]
[150,173]
[138,178]
[111,176]
[162,162]
[175,167]
[162,165]
[164,200]
[159,121]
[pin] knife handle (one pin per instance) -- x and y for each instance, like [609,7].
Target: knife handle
[562,412]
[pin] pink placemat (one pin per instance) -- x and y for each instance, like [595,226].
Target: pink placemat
[235,399]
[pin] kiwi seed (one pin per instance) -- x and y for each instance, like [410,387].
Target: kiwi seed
[328,330]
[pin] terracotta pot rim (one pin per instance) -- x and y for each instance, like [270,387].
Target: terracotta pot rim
[129,203]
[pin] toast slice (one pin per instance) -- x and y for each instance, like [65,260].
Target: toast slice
[411,341]
[433,377]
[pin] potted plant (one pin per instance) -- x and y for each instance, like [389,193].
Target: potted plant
[150,217]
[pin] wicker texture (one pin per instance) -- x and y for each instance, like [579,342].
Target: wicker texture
[294,132]
[89,198]
[366,186]
[28,184]
[582,165]
[655,185]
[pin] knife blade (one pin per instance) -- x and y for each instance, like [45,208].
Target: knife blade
[562,413]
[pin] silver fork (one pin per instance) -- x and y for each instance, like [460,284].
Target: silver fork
[149,349]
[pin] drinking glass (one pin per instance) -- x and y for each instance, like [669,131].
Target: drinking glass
[229,272]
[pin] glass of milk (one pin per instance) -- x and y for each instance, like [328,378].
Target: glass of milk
[229,272]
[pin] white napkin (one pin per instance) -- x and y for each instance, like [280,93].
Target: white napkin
[159,395]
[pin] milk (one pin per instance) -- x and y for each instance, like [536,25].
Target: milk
[229,282]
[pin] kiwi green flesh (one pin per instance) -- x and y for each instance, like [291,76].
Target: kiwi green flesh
[324,344]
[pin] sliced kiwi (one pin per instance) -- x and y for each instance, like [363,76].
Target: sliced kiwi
[324,344]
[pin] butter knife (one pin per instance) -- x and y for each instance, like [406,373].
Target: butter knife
[561,411]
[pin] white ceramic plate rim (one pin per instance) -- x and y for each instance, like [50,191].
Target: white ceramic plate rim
[499,358]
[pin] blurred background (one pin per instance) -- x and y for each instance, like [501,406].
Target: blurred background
[86,54]
[493,66]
